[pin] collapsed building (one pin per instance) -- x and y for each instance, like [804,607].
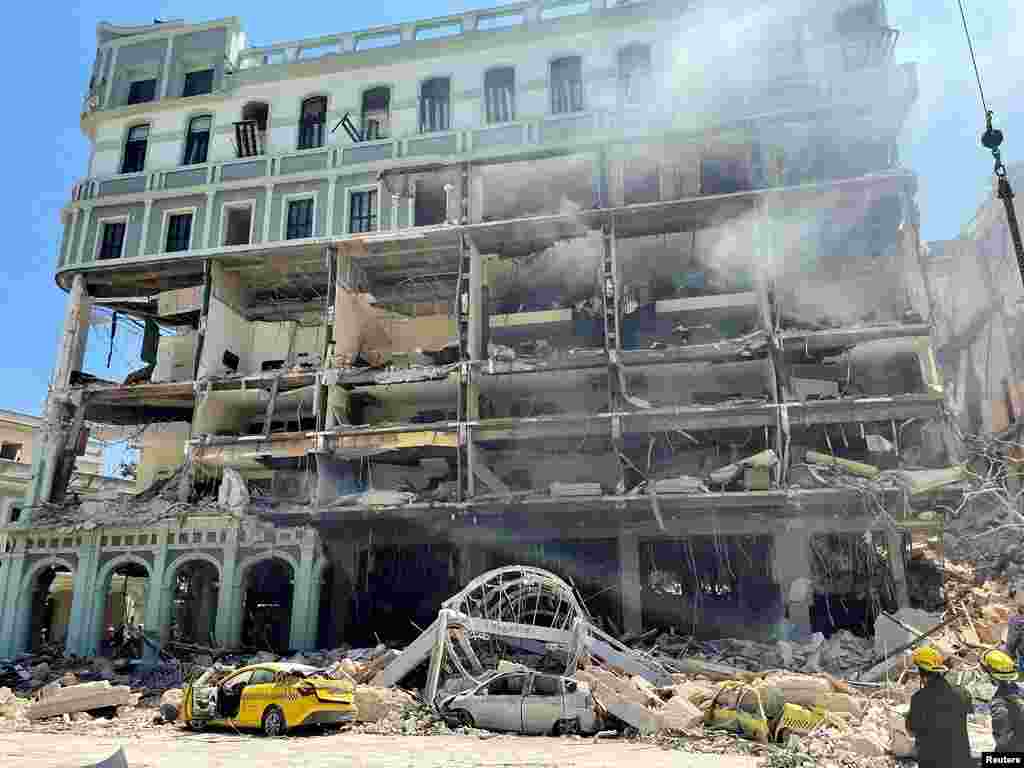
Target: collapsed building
[571,288]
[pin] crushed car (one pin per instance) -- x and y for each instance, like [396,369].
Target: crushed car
[273,697]
[524,701]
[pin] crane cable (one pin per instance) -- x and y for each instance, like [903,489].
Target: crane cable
[992,139]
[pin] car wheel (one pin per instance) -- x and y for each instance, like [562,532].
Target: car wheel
[567,727]
[273,722]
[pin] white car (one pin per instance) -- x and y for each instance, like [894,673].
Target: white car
[524,701]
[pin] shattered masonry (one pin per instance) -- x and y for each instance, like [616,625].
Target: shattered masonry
[676,356]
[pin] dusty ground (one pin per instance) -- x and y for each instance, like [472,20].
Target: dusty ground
[180,749]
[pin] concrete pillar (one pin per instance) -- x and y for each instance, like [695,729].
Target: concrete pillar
[229,593]
[792,569]
[312,627]
[165,70]
[13,571]
[894,545]
[156,595]
[302,594]
[630,585]
[82,597]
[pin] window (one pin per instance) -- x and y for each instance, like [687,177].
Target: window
[363,211]
[635,74]
[508,685]
[566,85]
[142,91]
[251,131]
[376,113]
[312,121]
[112,241]
[238,224]
[300,219]
[500,95]
[197,144]
[435,108]
[546,685]
[135,149]
[261,676]
[10,451]
[198,82]
[179,232]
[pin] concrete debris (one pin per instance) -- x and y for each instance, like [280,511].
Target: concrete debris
[82,698]
[376,704]
[234,493]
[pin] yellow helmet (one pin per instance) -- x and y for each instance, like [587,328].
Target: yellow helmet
[928,659]
[999,665]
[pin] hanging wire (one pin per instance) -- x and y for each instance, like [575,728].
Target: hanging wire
[974,60]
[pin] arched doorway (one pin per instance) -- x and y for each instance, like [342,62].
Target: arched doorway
[50,596]
[267,592]
[122,593]
[195,590]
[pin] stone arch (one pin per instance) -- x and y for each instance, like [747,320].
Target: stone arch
[23,610]
[168,586]
[241,586]
[94,628]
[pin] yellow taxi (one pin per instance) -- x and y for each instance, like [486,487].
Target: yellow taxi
[273,697]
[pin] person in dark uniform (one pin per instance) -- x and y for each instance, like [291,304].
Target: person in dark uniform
[1007,705]
[938,715]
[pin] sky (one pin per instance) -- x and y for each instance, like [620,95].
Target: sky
[51,48]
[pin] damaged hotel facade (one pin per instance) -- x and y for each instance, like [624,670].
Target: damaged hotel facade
[599,287]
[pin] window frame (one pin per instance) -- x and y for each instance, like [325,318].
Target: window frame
[263,141]
[619,80]
[286,200]
[188,135]
[227,205]
[551,82]
[420,130]
[127,140]
[298,133]
[362,110]
[19,447]
[184,84]
[348,207]
[486,116]
[128,97]
[100,227]
[166,222]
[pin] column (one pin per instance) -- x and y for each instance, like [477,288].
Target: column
[792,570]
[144,236]
[312,626]
[83,253]
[111,76]
[156,596]
[894,546]
[394,212]
[83,596]
[332,184]
[69,250]
[14,568]
[165,72]
[412,203]
[226,607]
[207,221]
[301,592]
[629,582]
[268,205]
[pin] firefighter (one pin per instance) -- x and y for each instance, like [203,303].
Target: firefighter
[938,715]
[1007,704]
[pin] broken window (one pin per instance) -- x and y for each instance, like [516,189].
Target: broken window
[566,85]
[376,113]
[509,685]
[251,130]
[435,105]
[10,451]
[312,122]
[112,242]
[197,144]
[363,211]
[635,73]
[238,225]
[179,232]
[500,94]
[300,219]
[142,91]
[198,82]
[546,685]
[135,149]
